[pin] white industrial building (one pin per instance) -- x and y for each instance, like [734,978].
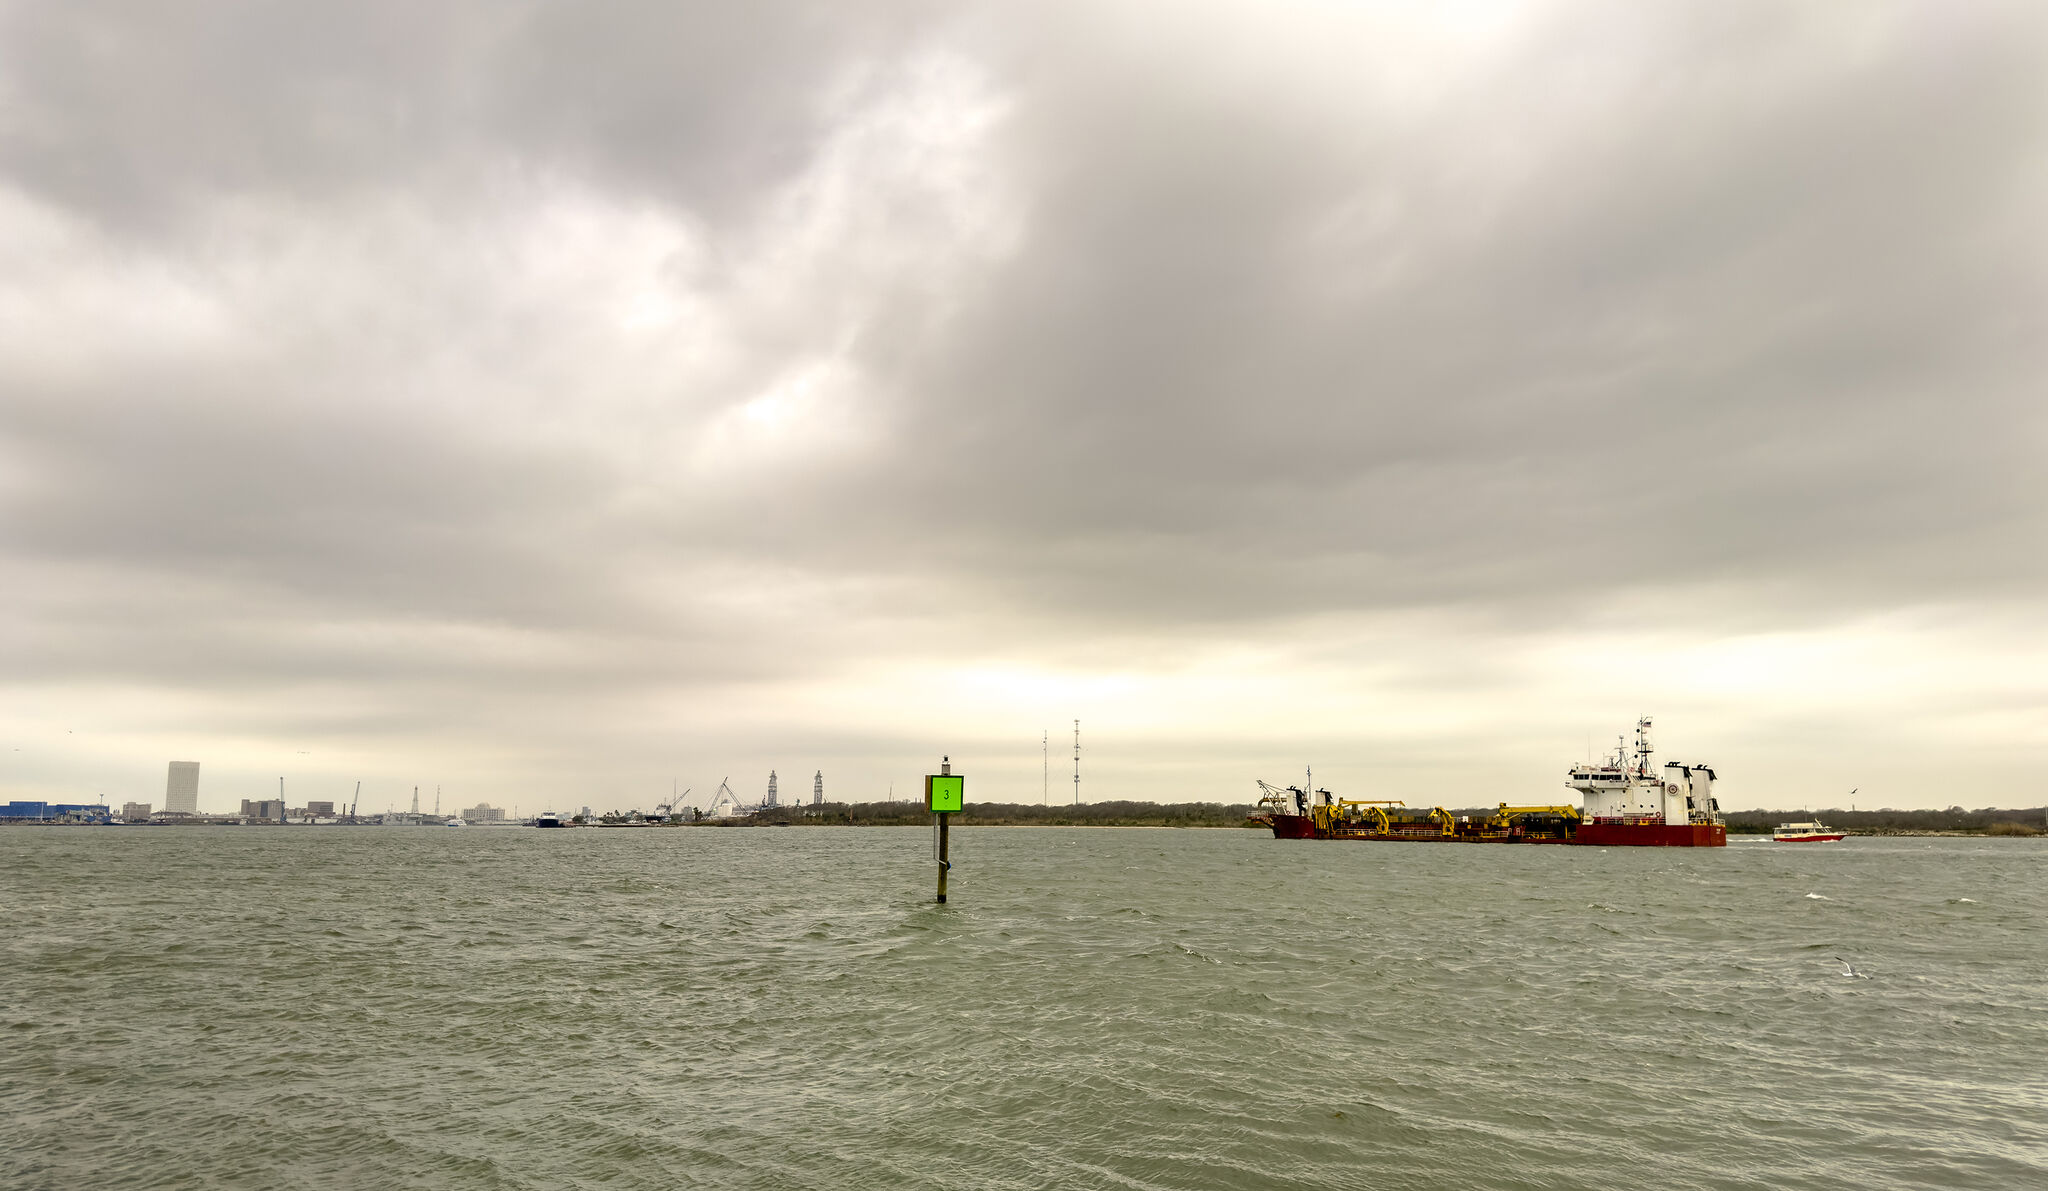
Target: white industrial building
[181,794]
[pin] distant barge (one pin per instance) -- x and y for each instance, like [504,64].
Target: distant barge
[1626,802]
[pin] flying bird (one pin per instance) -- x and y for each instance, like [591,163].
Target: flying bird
[1849,969]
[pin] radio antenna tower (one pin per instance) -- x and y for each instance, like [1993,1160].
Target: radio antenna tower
[1077,762]
[1044,764]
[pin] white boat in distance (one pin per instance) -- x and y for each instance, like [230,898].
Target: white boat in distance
[1806,833]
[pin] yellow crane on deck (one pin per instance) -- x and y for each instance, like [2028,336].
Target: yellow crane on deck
[1372,809]
[1506,812]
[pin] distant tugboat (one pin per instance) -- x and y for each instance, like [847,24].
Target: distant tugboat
[1806,833]
[1626,802]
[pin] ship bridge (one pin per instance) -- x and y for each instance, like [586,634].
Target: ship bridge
[1630,788]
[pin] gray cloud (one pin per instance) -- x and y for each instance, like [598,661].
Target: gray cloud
[515,373]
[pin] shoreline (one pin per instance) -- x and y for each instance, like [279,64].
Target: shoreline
[966,821]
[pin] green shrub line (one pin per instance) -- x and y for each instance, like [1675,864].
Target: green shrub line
[1952,821]
[1955,820]
[999,814]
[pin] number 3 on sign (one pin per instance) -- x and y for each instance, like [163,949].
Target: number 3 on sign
[944,793]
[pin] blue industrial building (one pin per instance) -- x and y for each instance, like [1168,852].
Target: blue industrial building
[54,812]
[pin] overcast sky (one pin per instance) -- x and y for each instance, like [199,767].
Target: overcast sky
[549,402]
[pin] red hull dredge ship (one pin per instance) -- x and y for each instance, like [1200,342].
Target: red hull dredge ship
[1626,802]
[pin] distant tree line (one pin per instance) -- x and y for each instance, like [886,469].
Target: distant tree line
[1989,820]
[998,814]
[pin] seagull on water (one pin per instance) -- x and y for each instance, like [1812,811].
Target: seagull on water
[1849,969]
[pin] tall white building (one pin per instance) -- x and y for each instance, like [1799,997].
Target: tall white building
[181,794]
[818,788]
[771,789]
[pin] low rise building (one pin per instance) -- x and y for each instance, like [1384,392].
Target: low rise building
[135,812]
[55,812]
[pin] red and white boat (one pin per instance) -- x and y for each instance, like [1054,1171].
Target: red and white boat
[1806,833]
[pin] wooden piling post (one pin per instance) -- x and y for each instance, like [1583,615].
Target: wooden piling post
[944,793]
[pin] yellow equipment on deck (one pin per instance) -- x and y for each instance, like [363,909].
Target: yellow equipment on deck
[1371,814]
[1507,812]
[1372,808]
[1503,820]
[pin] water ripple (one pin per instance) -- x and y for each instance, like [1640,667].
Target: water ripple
[1129,1009]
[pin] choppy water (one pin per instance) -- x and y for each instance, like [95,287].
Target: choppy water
[329,1008]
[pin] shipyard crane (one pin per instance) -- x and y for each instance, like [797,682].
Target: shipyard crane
[726,802]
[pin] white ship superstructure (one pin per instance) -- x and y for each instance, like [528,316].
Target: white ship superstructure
[1633,791]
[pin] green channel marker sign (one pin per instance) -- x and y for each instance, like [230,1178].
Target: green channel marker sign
[944,793]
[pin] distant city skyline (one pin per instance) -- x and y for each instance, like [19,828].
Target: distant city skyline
[547,401]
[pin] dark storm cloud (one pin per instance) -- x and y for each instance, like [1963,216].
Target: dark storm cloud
[138,113]
[632,349]
[1712,311]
